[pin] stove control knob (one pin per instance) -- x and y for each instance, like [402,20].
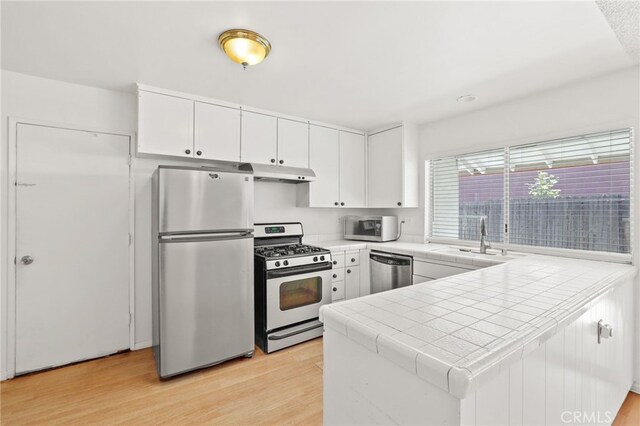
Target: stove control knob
[277,264]
[285,263]
[321,257]
[315,258]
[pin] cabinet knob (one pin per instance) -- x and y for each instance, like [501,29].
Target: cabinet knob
[342,203]
[281,161]
[348,271]
[399,203]
[187,151]
[335,262]
[353,259]
[198,152]
[336,203]
[273,160]
[335,289]
[335,275]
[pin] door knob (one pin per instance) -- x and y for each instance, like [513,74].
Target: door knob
[27,260]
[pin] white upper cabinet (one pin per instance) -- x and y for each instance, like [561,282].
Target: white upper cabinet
[165,124]
[293,143]
[323,160]
[392,160]
[352,170]
[259,142]
[217,132]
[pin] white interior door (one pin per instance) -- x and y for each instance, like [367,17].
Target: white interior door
[72,246]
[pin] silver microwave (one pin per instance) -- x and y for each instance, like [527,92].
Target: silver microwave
[371,228]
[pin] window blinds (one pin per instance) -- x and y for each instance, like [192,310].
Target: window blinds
[466,188]
[572,193]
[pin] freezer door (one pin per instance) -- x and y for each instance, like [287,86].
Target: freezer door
[205,301]
[192,200]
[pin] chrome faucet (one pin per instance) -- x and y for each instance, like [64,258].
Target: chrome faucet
[484,244]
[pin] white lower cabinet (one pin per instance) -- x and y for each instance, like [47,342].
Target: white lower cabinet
[346,277]
[352,282]
[337,288]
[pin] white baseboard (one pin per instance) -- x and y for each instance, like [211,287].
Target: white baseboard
[635,387]
[142,345]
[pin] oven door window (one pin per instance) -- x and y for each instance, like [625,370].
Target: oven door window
[301,292]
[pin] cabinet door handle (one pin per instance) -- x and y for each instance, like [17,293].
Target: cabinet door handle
[335,262]
[198,152]
[335,289]
[353,259]
[187,151]
[335,204]
[281,161]
[273,160]
[399,203]
[348,271]
[335,275]
[342,204]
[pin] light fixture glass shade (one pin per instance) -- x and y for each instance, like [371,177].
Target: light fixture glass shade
[244,47]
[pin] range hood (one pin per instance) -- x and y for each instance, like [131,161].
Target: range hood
[266,172]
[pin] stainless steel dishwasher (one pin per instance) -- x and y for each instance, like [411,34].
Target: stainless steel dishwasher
[389,271]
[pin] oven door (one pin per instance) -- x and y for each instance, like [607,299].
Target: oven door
[296,294]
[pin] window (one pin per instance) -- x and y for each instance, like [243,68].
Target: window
[571,193]
[468,188]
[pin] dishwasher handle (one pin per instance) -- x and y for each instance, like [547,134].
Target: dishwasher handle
[390,260]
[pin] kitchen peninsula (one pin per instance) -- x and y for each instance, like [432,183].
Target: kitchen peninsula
[515,343]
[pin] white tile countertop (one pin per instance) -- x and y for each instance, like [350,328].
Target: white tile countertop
[419,251]
[458,332]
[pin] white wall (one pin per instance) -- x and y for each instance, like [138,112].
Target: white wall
[604,103]
[36,98]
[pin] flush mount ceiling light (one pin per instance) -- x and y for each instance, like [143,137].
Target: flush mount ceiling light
[244,47]
[467,98]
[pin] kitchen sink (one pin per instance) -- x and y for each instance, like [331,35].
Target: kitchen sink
[468,250]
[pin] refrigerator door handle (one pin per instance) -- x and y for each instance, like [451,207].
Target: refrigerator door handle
[193,238]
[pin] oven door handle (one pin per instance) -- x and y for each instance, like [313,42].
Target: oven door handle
[298,270]
[316,324]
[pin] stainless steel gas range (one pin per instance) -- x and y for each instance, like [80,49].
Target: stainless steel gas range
[292,281]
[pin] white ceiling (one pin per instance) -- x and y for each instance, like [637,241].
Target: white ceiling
[360,65]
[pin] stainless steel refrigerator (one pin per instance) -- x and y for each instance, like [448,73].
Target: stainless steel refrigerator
[202,267]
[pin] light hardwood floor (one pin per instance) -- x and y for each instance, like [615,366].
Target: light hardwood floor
[282,388]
